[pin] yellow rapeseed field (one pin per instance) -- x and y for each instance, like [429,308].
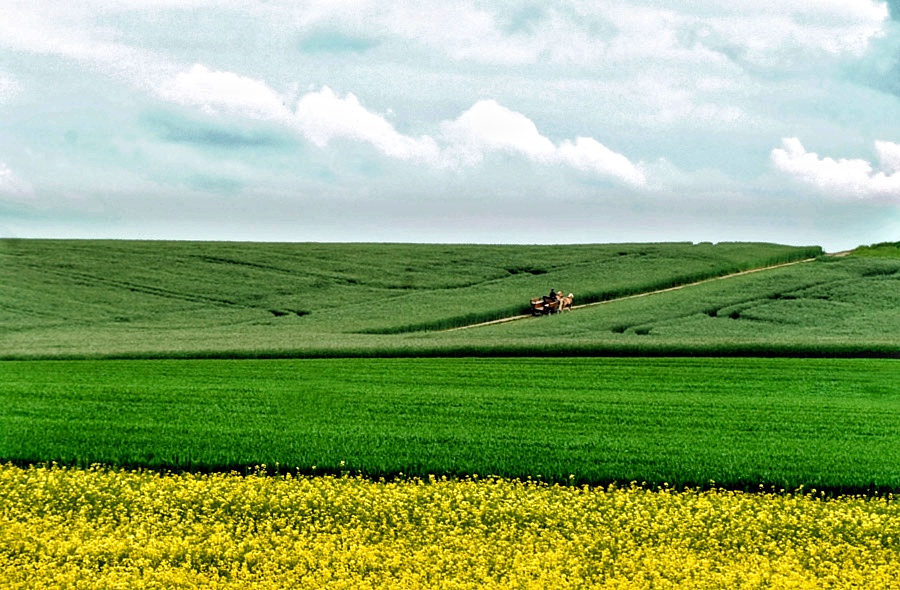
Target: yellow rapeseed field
[109,528]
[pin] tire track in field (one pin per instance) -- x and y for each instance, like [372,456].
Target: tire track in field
[88,279]
[654,292]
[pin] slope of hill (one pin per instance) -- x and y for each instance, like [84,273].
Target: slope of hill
[833,306]
[125,298]
[882,250]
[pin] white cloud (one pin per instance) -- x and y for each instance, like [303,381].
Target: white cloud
[570,31]
[11,186]
[58,29]
[589,155]
[854,177]
[322,116]
[490,127]
[319,116]
[889,155]
[610,32]
[793,30]
[8,88]
[214,91]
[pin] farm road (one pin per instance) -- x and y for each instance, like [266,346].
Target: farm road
[645,294]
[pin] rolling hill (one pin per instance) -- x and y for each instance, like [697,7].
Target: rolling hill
[71,298]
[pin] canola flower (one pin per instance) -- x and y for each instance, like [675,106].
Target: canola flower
[110,528]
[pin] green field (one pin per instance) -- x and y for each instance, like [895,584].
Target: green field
[110,355]
[830,307]
[882,250]
[826,423]
[132,299]
[105,299]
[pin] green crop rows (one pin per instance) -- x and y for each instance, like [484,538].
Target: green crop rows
[828,423]
[883,250]
[533,408]
[72,299]
[133,299]
[830,307]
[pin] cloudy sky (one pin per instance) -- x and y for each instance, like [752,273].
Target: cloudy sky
[452,121]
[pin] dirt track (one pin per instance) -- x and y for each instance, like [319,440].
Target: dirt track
[723,277]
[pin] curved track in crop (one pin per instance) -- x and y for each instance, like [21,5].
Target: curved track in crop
[647,293]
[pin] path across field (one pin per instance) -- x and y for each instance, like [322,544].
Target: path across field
[728,276]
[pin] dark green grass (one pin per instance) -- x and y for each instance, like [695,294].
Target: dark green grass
[830,424]
[830,307]
[882,250]
[120,298]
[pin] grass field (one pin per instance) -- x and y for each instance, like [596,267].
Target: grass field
[84,298]
[830,424]
[545,421]
[882,250]
[833,306]
[532,409]
[73,299]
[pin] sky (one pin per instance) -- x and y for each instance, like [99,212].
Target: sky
[451,122]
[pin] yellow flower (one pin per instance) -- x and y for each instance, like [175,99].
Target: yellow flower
[109,528]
